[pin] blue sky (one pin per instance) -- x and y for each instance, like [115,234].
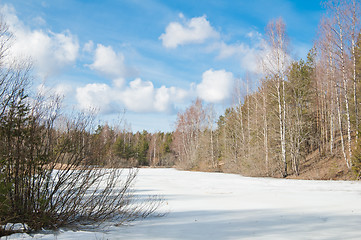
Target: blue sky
[150,57]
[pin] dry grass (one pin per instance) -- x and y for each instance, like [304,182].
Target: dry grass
[318,167]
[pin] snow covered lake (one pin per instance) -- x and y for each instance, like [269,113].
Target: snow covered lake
[228,206]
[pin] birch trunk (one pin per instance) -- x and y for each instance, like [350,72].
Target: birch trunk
[331,120]
[265,132]
[283,142]
[281,126]
[248,123]
[340,124]
[276,66]
[345,83]
[354,21]
[337,92]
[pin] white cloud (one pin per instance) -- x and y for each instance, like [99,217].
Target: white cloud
[216,86]
[137,96]
[247,55]
[50,51]
[59,90]
[89,46]
[254,35]
[162,99]
[108,62]
[96,96]
[118,82]
[142,96]
[226,51]
[178,94]
[39,21]
[196,30]
[250,60]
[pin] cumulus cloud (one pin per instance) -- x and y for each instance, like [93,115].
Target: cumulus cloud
[50,51]
[118,82]
[247,55]
[96,96]
[196,30]
[178,94]
[108,62]
[137,96]
[250,60]
[216,86]
[162,99]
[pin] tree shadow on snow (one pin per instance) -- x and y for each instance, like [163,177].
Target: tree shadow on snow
[262,224]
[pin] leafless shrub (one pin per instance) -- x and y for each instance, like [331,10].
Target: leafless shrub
[49,167]
[49,176]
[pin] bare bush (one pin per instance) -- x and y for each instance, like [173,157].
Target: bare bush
[50,174]
[49,177]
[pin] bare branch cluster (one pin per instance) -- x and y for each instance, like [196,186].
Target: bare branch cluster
[51,171]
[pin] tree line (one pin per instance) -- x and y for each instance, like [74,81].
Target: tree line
[301,112]
[299,108]
[123,148]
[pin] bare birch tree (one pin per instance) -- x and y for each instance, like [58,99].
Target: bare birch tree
[342,23]
[186,138]
[275,64]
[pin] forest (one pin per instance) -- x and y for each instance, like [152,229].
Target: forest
[302,120]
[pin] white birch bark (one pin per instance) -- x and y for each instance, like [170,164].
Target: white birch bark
[265,131]
[276,66]
[345,85]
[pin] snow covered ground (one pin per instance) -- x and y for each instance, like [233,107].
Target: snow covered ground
[227,206]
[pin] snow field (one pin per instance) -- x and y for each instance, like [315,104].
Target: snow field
[228,206]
